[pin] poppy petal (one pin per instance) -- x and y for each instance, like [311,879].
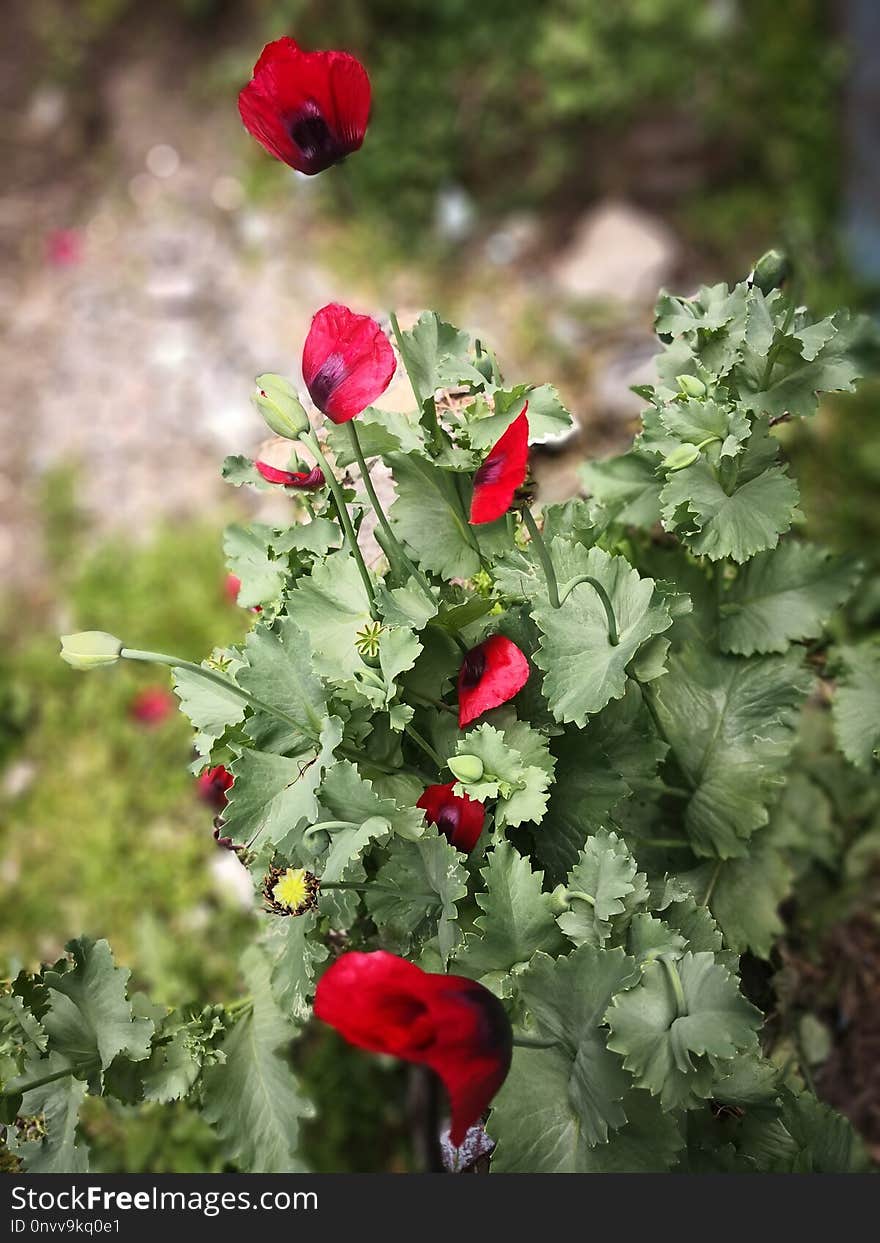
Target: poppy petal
[458,816]
[347,362]
[490,675]
[212,786]
[306,481]
[309,109]
[450,1024]
[503,471]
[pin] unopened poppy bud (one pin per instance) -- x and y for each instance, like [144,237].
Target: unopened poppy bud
[684,455]
[466,768]
[278,403]
[559,902]
[89,649]
[690,386]
[771,271]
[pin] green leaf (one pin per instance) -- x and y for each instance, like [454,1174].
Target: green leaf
[605,873]
[416,892]
[731,725]
[346,795]
[272,792]
[815,359]
[784,595]
[627,486]
[210,708]
[517,918]
[856,705]
[239,470]
[317,536]
[673,1045]
[58,1105]
[331,606]
[546,415]
[89,1021]
[692,421]
[430,515]
[747,518]
[517,768]
[432,351]
[597,769]
[583,671]
[279,672]
[713,325]
[380,432]
[744,896]
[249,556]
[296,951]
[252,1099]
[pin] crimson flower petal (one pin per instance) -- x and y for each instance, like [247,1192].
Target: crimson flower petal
[503,471]
[306,481]
[491,674]
[450,1024]
[212,786]
[458,816]
[152,705]
[309,109]
[347,362]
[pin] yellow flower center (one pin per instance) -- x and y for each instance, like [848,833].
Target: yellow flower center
[292,888]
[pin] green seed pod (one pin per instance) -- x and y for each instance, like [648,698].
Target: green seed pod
[466,768]
[278,403]
[90,649]
[684,455]
[691,386]
[771,271]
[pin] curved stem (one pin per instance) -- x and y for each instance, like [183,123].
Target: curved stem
[424,744]
[324,826]
[675,981]
[580,895]
[380,512]
[532,1042]
[713,881]
[543,557]
[36,1083]
[613,636]
[311,440]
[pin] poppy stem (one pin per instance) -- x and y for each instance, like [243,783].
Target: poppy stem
[543,556]
[430,702]
[675,981]
[613,636]
[41,1083]
[380,512]
[532,1042]
[372,886]
[310,439]
[424,744]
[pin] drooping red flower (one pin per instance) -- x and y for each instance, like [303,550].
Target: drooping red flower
[451,1024]
[231,587]
[152,705]
[347,362]
[503,471]
[491,674]
[309,109]
[212,786]
[304,480]
[458,816]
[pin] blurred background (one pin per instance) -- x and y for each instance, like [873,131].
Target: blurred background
[535,171]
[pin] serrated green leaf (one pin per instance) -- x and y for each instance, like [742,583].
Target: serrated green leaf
[582,669]
[517,768]
[856,705]
[672,1044]
[604,874]
[432,352]
[517,919]
[380,432]
[784,595]
[89,1021]
[814,359]
[416,893]
[252,1099]
[296,951]
[744,896]
[430,516]
[627,486]
[249,557]
[331,606]
[210,707]
[546,414]
[730,723]
[279,672]
[58,1105]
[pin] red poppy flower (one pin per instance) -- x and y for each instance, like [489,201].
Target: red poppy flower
[347,362]
[309,109]
[503,471]
[491,673]
[457,815]
[305,480]
[451,1024]
[152,705]
[212,786]
[232,586]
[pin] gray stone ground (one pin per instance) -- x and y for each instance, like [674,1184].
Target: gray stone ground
[131,359]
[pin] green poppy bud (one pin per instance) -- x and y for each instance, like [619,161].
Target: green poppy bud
[690,386]
[771,271]
[466,768]
[559,902]
[89,649]
[280,406]
[684,455]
